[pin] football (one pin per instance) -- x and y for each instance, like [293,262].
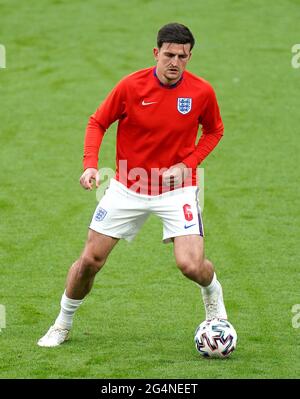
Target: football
[215,338]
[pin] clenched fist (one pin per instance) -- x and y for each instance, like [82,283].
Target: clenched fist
[87,178]
[175,175]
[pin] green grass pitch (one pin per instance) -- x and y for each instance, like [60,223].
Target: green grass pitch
[63,57]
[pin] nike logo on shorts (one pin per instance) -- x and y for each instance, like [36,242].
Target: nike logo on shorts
[190,225]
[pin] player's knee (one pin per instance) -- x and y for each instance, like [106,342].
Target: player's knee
[190,267]
[91,264]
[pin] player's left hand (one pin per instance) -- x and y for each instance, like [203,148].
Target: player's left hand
[175,175]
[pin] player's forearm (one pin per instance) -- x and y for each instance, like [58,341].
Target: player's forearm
[207,142]
[93,138]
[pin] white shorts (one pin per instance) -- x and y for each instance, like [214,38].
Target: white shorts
[121,212]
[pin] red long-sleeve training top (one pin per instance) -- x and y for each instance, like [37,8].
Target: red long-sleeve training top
[157,126]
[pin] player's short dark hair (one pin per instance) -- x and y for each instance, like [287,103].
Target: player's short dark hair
[175,33]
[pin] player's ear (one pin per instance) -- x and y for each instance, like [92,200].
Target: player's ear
[155,53]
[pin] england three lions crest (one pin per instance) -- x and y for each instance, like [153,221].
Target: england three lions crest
[184,105]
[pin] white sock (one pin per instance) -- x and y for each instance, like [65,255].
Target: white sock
[209,289]
[67,311]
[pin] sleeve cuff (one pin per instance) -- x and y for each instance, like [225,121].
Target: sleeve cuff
[191,161]
[89,163]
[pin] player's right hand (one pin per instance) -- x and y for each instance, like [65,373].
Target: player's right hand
[88,177]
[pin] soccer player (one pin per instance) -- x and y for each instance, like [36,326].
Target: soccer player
[159,111]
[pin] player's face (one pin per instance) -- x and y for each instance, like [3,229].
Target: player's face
[171,61]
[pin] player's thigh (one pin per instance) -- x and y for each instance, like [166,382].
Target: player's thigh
[189,249]
[98,246]
[120,213]
[180,213]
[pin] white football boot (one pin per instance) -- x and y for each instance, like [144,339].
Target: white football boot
[55,336]
[214,304]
